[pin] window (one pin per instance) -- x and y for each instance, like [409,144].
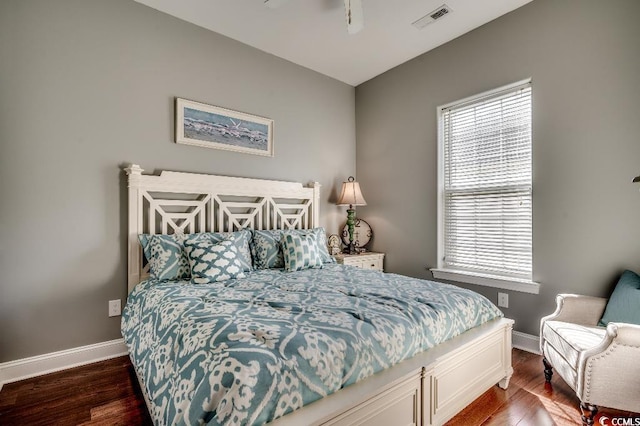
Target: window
[484,230]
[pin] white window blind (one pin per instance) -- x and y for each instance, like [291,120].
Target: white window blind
[487,184]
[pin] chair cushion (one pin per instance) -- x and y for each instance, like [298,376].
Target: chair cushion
[570,339]
[624,303]
[560,365]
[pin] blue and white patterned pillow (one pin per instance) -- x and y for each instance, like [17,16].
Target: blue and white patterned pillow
[213,261]
[266,246]
[300,252]
[242,240]
[266,249]
[168,261]
[321,239]
[166,257]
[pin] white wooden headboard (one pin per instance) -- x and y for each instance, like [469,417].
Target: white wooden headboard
[175,202]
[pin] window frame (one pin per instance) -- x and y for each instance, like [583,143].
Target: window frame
[464,276]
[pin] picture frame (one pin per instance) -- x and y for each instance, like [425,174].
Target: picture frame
[215,127]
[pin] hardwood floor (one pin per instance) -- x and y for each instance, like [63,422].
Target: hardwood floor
[107,393]
[528,400]
[104,393]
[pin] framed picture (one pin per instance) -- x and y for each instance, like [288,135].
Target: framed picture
[214,127]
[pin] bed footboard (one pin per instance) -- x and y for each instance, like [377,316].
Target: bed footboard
[428,389]
[462,376]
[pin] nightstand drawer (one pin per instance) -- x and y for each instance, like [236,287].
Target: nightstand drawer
[372,264]
[368,260]
[353,261]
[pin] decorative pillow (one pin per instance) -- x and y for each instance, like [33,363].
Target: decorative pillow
[321,239]
[212,262]
[167,260]
[624,303]
[267,250]
[241,238]
[300,252]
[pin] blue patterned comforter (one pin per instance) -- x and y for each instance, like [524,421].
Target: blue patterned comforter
[247,351]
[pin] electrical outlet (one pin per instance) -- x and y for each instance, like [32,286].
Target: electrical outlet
[503,300]
[115,308]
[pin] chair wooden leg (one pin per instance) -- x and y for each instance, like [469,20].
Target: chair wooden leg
[548,370]
[588,413]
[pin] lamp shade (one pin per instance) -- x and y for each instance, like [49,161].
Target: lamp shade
[351,194]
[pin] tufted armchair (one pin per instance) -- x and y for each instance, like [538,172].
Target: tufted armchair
[602,365]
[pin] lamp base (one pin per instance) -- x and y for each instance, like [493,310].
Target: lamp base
[351,249]
[351,221]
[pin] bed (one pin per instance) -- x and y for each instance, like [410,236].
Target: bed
[335,345]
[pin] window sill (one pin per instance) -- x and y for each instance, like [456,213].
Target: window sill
[513,284]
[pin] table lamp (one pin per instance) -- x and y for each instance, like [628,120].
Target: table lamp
[351,196]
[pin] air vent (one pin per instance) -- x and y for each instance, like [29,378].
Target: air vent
[432,16]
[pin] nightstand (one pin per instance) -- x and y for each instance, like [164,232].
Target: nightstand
[366,260]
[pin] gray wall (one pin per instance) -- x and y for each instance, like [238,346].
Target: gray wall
[584,59]
[86,86]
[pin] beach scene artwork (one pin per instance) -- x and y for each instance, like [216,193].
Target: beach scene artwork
[215,127]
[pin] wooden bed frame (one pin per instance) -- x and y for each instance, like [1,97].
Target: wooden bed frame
[428,389]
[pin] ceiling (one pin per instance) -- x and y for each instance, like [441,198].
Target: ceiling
[313,33]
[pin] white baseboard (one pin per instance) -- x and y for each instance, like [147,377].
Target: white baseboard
[25,368]
[526,342]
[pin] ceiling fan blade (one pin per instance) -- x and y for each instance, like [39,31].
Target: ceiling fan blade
[355,17]
[274,4]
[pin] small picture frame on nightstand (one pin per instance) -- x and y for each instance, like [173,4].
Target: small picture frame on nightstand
[334,244]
